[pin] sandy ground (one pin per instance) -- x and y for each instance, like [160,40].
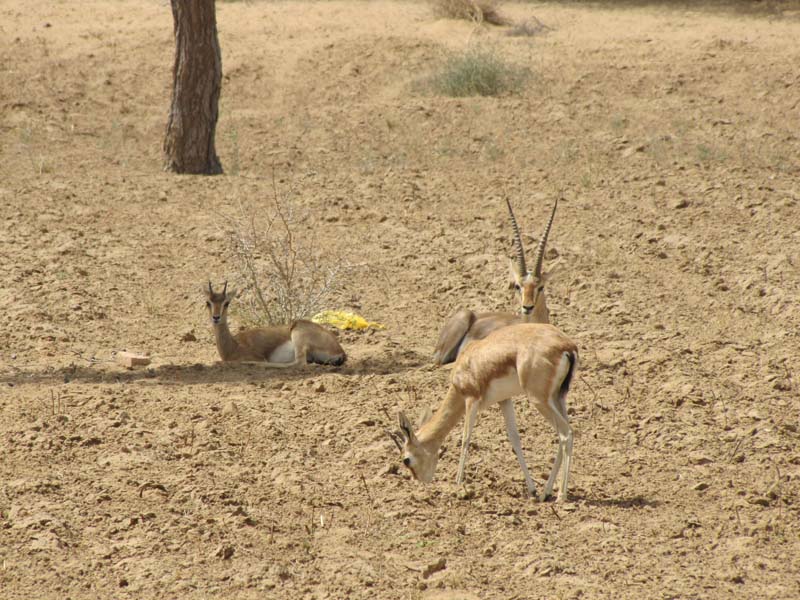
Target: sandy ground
[672,135]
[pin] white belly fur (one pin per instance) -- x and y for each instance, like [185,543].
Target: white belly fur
[283,353]
[502,388]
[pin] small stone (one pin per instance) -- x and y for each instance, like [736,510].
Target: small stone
[230,408]
[699,487]
[320,388]
[679,203]
[758,414]
[783,385]
[759,501]
[224,552]
[700,459]
[432,568]
[189,336]
[631,150]
[609,357]
[130,360]
[465,494]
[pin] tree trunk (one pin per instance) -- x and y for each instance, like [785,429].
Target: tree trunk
[196,81]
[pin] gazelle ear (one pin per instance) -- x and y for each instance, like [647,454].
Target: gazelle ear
[406,430]
[514,276]
[424,416]
[232,293]
[552,272]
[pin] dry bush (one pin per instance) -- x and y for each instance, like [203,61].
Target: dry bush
[479,11]
[276,254]
[530,28]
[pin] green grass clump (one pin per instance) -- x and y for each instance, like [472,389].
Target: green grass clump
[477,72]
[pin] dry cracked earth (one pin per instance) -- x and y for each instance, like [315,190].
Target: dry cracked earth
[670,132]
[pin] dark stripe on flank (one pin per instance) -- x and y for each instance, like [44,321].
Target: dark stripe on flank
[568,379]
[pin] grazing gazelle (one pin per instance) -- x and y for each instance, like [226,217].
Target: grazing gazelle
[466,326]
[531,358]
[297,343]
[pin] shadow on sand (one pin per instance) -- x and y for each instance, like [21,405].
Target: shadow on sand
[624,502]
[199,373]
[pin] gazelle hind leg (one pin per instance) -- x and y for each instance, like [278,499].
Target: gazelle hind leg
[507,407]
[548,487]
[469,422]
[565,438]
[562,492]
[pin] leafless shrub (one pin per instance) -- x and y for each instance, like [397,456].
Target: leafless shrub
[479,11]
[285,273]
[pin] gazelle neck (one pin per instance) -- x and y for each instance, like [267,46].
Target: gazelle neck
[226,344]
[540,313]
[447,416]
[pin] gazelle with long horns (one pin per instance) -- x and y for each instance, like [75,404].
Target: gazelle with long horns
[297,343]
[466,326]
[535,359]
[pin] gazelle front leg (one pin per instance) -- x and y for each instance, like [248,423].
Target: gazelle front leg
[469,422]
[507,407]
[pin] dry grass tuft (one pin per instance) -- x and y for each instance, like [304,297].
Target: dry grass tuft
[477,71]
[478,11]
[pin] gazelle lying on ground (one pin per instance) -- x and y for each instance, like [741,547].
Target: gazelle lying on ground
[466,326]
[531,358]
[298,343]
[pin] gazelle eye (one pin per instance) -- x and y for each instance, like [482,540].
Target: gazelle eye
[208,304]
[517,287]
[227,303]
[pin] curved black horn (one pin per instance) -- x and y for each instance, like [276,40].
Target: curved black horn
[543,242]
[396,438]
[225,287]
[210,289]
[517,241]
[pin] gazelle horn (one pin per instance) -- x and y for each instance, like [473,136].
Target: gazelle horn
[517,242]
[225,287]
[543,242]
[396,438]
[210,289]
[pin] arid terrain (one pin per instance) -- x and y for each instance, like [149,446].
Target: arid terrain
[672,135]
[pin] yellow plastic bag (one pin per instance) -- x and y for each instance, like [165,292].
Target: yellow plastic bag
[344,320]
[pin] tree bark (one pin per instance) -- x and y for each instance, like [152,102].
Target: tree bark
[196,82]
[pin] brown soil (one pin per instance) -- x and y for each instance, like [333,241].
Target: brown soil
[672,135]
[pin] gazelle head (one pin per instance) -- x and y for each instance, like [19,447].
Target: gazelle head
[217,303]
[417,458]
[529,285]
